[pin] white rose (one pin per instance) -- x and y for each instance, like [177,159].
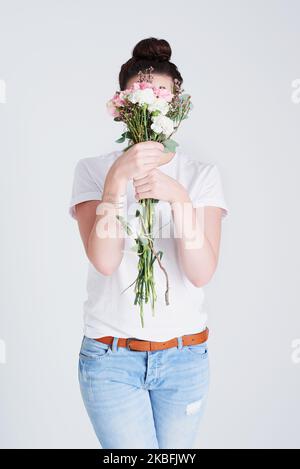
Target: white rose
[162,124]
[159,105]
[145,96]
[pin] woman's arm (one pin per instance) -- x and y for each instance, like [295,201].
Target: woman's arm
[199,240]
[102,234]
[197,230]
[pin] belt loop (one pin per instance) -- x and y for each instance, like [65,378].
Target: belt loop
[114,345]
[179,342]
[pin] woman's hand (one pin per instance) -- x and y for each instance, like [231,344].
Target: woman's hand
[157,185]
[138,160]
[197,242]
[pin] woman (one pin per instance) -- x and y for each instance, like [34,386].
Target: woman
[147,387]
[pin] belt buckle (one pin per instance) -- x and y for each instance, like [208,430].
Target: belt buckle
[128,340]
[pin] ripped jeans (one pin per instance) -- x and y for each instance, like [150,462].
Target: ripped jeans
[144,399]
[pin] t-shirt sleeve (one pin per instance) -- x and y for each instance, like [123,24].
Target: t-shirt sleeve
[84,188]
[210,190]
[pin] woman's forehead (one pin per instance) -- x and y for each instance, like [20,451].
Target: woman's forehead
[158,80]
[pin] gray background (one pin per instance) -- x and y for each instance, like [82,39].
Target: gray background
[60,61]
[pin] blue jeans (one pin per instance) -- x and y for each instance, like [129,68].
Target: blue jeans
[144,399]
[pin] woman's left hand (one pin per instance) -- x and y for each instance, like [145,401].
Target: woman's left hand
[157,185]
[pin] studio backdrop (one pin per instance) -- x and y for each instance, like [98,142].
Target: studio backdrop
[59,64]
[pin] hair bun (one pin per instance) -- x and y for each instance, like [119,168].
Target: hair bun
[152,49]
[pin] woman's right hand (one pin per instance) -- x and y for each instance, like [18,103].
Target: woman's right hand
[138,160]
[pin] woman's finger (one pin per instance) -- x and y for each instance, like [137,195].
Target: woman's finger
[141,180]
[145,195]
[150,144]
[144,188]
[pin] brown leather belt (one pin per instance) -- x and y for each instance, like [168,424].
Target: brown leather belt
[146,345]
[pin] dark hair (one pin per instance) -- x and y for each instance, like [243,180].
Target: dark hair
[150,52]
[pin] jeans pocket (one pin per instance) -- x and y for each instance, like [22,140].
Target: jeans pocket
[91,349]
[198,349]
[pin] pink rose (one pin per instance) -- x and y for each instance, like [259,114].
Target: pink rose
[135,86]
[111,109]
[118,100]
[164,94]
[145,84]
[141,85]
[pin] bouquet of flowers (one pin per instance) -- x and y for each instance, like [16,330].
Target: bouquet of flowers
[149,113]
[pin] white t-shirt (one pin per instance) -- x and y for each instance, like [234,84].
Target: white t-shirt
[108,311]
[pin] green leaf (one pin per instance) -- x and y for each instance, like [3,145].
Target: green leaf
[121,139]
[124,135]
[128,135]
[170,145]
[159,254]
